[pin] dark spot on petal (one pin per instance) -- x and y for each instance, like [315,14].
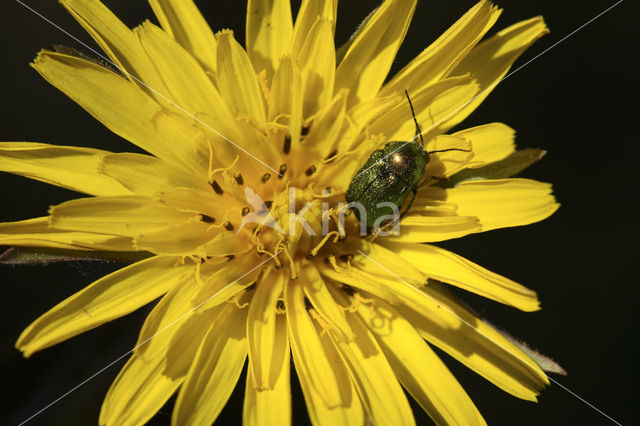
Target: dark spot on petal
[349,290]
[268,204]
[245,211]
[238,178]
[280,305]
[304,131]
[346,257]
[282,171]
[265,177]
[311,170]
[228,226]
[307,304]
[216,187]
[207,219]
[287,144]
[230,257]
[329,158]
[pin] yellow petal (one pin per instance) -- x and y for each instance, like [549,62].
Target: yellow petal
[417,228]
[385,289]
[447,51]
[389,258]
[505,202]
[328,381]
[445,323]
[126,216]
[374,380]
[182,20]
[366,112]
[442,265]
[196,200]
[433,106]
[269,29]
[329,394]
[271,406]
[309,12]
[229,280]
[214,371]
[119,43]
[327,132]
[375,277]
[418,368]
[189,86]
[118,104]
[183,342]
[110,297]
[187,145]
[162,324]
[454,329]
[139,391]
[237,79]
[318,64]
[196,239]
[447,155]
[491,59]
[322,301]
[285,102]
[168,342]
[490,142]
[429,202]
[364,272]
[225,244]
[350,412]
[66,166]
[147,175]
[369,58]
[261,333]
[37,233]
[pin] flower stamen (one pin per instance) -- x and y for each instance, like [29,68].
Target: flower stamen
[321,322]
[314,251]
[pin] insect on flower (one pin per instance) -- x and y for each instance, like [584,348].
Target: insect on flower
[387,178]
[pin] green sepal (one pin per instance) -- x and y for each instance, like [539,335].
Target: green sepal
[547,364]
[44,255]
[506,168]
[544,362]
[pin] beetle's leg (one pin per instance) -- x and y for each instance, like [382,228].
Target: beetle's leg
[429,179]
[448,149]
[414,192]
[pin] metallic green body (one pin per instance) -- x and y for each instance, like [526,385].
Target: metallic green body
[389,175]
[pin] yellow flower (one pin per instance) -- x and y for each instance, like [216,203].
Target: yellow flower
[288,120]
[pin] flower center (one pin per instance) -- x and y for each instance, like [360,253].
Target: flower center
[298,224]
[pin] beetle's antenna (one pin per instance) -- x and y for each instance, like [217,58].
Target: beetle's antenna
[415,120]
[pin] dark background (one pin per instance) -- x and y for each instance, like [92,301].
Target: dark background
[578,101]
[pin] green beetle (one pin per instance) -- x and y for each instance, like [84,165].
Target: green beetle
[383,184]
